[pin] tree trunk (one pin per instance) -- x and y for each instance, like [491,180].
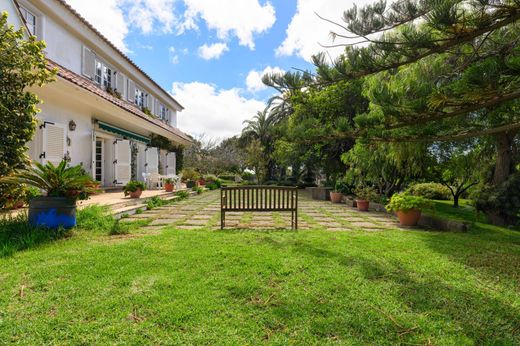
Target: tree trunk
[504,164]
[456,200]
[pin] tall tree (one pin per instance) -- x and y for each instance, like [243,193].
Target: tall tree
[22,65]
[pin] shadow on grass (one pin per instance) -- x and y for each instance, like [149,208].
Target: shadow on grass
[429,302]
[17,235]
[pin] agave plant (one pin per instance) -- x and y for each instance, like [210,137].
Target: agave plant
[56,181]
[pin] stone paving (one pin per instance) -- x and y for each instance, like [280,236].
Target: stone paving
[203,211]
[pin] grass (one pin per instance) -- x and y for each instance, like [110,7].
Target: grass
[247,287]
[465,212]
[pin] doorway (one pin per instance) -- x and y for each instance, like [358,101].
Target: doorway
[99,171]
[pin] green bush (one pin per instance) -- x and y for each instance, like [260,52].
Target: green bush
[248,176]
[155,202]
[182,194]
[190,174]
[133,186]
[95,218]
[405,202]
[199,190]
[430,191]
[227,176]
[367,193]
[502,204]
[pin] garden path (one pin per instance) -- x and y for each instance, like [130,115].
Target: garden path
[203,211]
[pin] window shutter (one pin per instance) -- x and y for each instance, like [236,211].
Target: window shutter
[54,143]
[131,91]
[152,160]
[120,83]
[149,103]
[89,62]
[122,162]
[157,109]
[171,163]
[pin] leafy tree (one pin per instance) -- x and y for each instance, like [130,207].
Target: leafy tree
[22,65]
[256,159]
[455,167]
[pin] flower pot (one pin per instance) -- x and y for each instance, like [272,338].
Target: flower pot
[168,187]
[136,194]
[336,197]
[362,205]
[201,182]
[52,212]
[409,218]
[190,184]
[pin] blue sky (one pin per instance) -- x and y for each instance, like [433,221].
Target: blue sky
[210,54]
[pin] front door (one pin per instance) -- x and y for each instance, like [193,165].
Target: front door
[100,161]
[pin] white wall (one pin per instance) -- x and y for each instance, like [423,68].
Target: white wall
[13,16]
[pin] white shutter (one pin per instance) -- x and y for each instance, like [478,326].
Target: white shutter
[122,162]
[54,143]
[131,91]
[120,83]
[149,103]
[152,160]
[89,62]
[171,163]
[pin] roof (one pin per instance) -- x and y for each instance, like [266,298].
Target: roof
[89,85]
[123,55]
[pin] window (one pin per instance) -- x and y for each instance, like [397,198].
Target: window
[163,112]
[140,98]
[30,19]
[103,75]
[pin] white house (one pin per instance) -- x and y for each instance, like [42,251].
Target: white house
[103,109]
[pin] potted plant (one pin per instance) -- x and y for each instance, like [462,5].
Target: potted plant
[168,184]
[134,189]
[190,184]
[62,186]
[407,207]
[364,195]
[336,195]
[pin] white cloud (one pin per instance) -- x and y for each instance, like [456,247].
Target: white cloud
[306,31]
[174,57]
[106,16]
[254,78]
[218,113]
[213,51]
[147,15]
[241,18]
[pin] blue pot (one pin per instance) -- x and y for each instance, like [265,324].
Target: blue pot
[52,212]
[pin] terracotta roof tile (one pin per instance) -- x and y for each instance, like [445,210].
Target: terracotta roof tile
[89,85]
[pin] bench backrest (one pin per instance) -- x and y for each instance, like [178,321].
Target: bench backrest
[259,198]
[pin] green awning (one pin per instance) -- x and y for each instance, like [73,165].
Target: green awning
[124,133]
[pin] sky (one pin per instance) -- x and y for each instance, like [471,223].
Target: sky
[211,54]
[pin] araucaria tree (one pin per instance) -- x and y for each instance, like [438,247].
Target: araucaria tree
[22,65]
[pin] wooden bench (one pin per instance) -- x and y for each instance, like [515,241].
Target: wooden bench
[259,199]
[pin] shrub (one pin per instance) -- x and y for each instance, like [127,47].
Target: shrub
[430,191]
[155,202]
[133,186]
[190,174]
[248,176]
[502,203]
[199,190]
[210,178]
[406,202]
[212,186]
[182,194]
[227,176]
[367,193]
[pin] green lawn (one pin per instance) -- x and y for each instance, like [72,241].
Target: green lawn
[253,287]
[465,211]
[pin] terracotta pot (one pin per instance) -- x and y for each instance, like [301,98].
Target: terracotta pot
[18,205]
[336,197]
[362,205]
[409,218]
[136,194]
[168,187]
[201,182]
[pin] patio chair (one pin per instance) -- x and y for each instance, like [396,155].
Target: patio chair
[155,181]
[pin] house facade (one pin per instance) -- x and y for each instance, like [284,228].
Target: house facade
[102,110]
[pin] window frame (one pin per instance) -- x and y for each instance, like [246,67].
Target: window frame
[32,27]
[103,74]
[140,98]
